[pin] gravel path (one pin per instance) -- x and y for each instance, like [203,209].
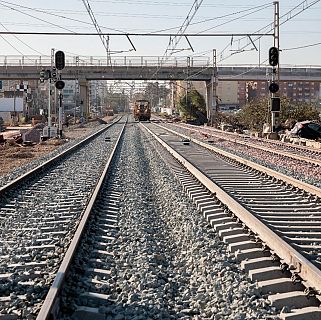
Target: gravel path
[169,264]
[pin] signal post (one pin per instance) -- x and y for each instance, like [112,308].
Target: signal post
[51,75]
[275,103]
[60,64]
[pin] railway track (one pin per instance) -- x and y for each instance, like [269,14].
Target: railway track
[298,151]
[144,251]
[38,215]
[280,218]
[127,259]
[302,163]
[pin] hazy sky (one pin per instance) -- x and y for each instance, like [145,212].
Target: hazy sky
[145,16]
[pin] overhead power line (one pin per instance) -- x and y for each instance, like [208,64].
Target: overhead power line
[214,18]
[302,47]
[104,39]
[13,7]
[26,44]
[48,13]
[32,16]
[289,15]
[176,39]
[253,10]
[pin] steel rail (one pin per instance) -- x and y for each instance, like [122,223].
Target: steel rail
[49,162]
[276,142]
[297,262]
[295,182]
[277,152]
[50,307]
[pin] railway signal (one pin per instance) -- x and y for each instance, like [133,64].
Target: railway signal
[42,75]
[275,104]
[60,84]
[273,87]
[273,56]
[60,60]
[54,74]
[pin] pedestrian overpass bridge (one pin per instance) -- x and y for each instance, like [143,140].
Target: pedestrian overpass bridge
[148,68]
[196,68]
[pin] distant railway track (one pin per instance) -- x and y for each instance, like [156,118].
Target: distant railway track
[125,239]
[38,215]
[297,152]
[297,161]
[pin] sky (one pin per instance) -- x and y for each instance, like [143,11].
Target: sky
[158,16]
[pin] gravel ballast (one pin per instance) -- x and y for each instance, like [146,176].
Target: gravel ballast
[168,263]
[19,171]
[38,220]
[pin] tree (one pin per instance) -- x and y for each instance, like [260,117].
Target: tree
[299,111]
[255,113]
[155,93]
[118,101]
[195,104]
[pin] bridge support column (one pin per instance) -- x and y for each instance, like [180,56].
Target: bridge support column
[84,98]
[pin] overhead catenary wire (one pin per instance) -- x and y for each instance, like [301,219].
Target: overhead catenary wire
[302,47]
[72,32]
[52,14]
[289,17]
[122,31]
[214,18]
[11,45]
[26,44]
[32,16]
[302,6]
[176,39]
[162,3]
[132,34]
[173,42]
[104,39]
[260,8]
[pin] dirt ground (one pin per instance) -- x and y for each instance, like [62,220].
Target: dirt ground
[15,155]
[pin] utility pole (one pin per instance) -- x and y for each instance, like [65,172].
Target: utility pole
[49,92]
[172,96]
[188,105]
[277,34]
[214,85]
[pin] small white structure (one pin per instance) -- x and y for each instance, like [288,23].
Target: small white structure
[169,111]
[11,104]
[53,132]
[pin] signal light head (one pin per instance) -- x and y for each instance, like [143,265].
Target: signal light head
[273,56]
[59,60]
[60,84]
[274,87]
[275,104]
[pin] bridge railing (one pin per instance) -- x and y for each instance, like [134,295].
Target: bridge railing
[123,61]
